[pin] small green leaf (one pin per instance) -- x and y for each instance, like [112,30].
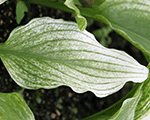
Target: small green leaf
[21,8]
[130,18]
[127,110]
[13,107]
[2,1]
[82,23]
[123,109]
[47,53]
[143,107]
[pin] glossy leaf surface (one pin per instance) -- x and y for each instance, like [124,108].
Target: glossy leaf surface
[13,107]
[47,53]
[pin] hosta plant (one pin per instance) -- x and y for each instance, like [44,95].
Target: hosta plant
[47,53]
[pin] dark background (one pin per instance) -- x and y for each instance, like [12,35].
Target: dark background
[61,103]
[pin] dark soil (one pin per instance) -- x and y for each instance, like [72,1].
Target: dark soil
[61,103]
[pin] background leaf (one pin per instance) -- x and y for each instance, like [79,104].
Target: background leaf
[13,107]
[82,23]
[130,18]
[47,53]
[21,8]
[103,35]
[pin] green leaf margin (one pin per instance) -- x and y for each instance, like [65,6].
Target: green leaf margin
[81,21]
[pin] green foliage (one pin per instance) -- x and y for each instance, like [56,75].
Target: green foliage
[21,8]
[102,34]
[47,53]
[13,107]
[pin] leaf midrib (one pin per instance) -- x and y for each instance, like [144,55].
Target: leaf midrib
[39,57]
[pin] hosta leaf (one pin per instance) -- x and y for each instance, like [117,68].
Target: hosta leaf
[2,1]
[82,23]
[130,18]
[13,107]
[47,53]
[21,8]
[143,107]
